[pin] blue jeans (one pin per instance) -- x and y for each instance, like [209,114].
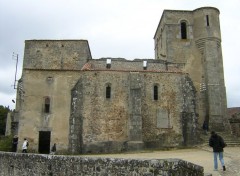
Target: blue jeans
[215,155]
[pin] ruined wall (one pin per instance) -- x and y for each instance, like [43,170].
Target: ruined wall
[56,54]
[172,121]
[37,85]
[190,117]
[235,124]
[123,64]
[15,164]
[50,71]
[100,124]
[103,120]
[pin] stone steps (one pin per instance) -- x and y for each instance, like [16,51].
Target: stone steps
[229,139]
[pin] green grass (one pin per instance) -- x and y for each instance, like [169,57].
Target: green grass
[5,143]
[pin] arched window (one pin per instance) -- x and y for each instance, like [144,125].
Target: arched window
[47,105]
[155,92]
[183,30]
[108,91]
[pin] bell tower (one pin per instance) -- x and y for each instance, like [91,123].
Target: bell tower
[192,39]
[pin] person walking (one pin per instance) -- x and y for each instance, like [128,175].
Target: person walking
[217,143]
[14,143]
[54,149]
[205,127]
[25,146]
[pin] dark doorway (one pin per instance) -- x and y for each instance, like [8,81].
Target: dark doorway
[44,142]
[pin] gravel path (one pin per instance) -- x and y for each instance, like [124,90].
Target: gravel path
[201,156]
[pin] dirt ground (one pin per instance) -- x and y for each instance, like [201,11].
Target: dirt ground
[201,156]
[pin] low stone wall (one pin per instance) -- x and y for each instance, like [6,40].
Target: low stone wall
[18,164]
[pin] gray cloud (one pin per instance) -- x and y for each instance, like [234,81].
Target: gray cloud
[119,28]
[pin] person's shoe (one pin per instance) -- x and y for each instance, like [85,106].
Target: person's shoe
[215,169]
[224,168]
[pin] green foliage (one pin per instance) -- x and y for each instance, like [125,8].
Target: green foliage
[3,118]
[6,143]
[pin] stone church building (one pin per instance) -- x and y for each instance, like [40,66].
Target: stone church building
[87,105]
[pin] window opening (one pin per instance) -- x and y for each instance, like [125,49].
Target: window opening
[207,18]
[155,93]
[161,37]
[108,63]
[49,79]
[108,92]
[161,40]
[183,30]
[144,65]
[47,105]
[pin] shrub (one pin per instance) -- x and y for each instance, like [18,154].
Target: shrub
[6,143]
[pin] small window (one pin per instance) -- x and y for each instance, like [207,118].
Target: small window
[47,105]
[155,92]
[108,63]
[144,65]
[183,30]
[207,19]
[49,79]
[161,40]
[108,92]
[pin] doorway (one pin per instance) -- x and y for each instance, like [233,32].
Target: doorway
[44,142]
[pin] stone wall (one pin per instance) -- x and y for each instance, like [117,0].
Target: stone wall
[123,64]
[235,124]
[131,116]
[18,164]
[56,54]
[37,85]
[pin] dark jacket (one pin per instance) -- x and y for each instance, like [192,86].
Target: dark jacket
[217,143]
[54,148]
[205,126]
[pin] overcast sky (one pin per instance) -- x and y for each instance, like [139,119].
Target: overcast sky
[113,28]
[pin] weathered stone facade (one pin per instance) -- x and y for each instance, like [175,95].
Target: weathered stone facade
[194,38]
[15,164]
[131,114]
[90,105]
[234,121]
